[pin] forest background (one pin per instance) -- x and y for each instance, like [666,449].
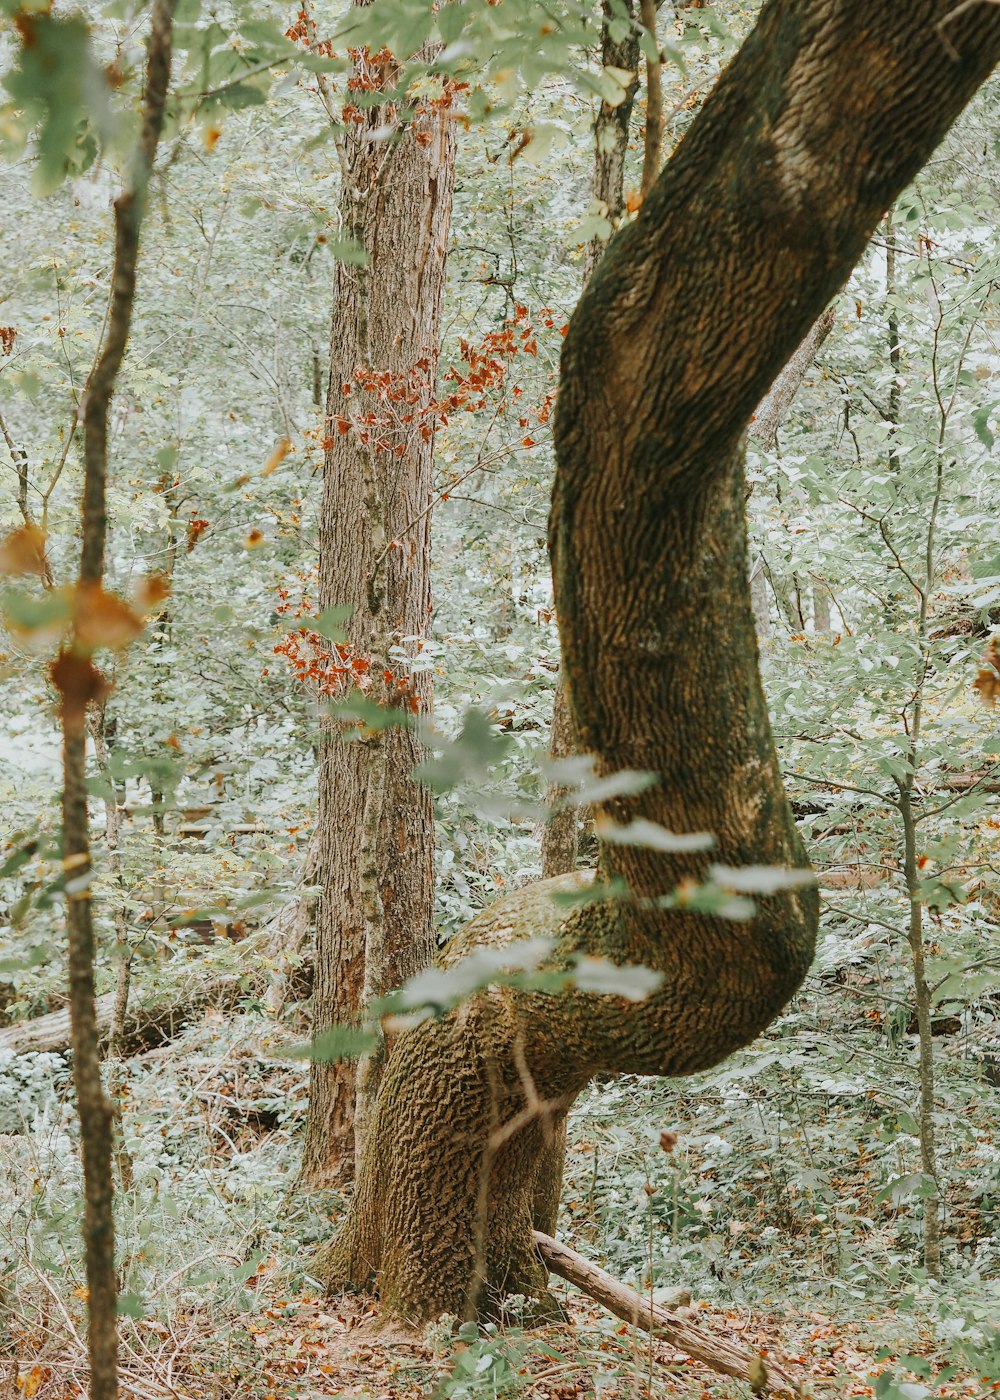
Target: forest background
[799,1180]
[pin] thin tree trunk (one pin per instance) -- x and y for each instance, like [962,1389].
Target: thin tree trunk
[821,608]
[773,408]
[653,133]
[611,130]
[80,683]
[925,1040]
[122,954]
[892,327]
[756,222]
[771,412]
[375,829]
[759,599]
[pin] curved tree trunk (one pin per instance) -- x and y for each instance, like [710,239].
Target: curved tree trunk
[560,837]
[375,827]
[828,110]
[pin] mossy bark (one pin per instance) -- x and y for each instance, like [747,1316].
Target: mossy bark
[826,113]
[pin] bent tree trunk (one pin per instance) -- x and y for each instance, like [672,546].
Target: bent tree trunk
[828,110]
[560,836]
[375,829]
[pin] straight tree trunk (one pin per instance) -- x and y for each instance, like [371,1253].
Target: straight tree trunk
[79,684]
[826,113]
[375,837]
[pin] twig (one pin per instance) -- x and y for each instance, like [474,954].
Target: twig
[653,137]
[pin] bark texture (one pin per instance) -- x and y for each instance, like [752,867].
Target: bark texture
[375,827]
[825,114]
[560,836]
[611,128]
[774,406]
[771,413]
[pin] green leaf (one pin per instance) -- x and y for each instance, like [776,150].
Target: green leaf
[653,837]
[19,856]
[441,987]
[34,957]
[980,422]
[130,1305]
[338,1043]
[330,622]
[468,758]
[450,22]
[240,95]
[372,716]
[578,772]
[591,892]
[33,614]
[631,981]
[348,250]
[759,879]
[63,91]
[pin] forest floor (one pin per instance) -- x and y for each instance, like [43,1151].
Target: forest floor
[307,1348]
[784,1243]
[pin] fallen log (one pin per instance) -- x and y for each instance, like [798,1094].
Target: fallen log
[720,1355]
[161,1018]
[144,1025]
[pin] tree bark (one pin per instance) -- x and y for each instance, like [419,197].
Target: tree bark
[826,113]
[375,827]
[560,836]
[611,130]
[653,132]
[773,408]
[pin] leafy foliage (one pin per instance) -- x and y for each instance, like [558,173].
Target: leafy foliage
[797,1169]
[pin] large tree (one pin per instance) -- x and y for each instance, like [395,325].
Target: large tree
[375,829]
[828,110]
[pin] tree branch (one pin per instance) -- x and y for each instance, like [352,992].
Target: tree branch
[722,1356]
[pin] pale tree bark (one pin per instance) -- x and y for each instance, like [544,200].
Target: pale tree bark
[770,414]
[80,683]
[375,834]
[826,113]
[894,404]
[611,128]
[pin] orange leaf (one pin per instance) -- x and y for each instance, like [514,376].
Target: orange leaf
[987,682]
[79,682]
[23,551]
[151,592]
[277,457]
[29,1384]
[102,620]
